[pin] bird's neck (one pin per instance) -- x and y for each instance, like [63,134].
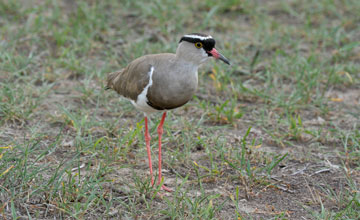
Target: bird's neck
[187,64]
[187,59]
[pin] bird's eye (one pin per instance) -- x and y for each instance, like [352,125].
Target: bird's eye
[198,45]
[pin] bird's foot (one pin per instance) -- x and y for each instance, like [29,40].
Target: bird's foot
[163,187]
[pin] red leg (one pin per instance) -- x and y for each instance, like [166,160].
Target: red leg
[160,132]
[147,140]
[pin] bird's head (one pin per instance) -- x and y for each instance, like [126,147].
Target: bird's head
[198,48]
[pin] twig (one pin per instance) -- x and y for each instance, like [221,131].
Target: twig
[321,171]
[285,189]
[301,170]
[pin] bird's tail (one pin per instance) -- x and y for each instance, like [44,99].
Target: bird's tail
[110,80]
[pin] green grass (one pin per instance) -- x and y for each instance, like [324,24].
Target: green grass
[274,136]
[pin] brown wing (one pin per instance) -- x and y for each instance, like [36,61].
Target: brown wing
[131,81]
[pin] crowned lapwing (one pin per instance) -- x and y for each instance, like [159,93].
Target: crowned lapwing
[160,82]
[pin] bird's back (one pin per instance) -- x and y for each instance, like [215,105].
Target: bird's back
[173,82]
[131,80]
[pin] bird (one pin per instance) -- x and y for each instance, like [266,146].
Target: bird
[161,82]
